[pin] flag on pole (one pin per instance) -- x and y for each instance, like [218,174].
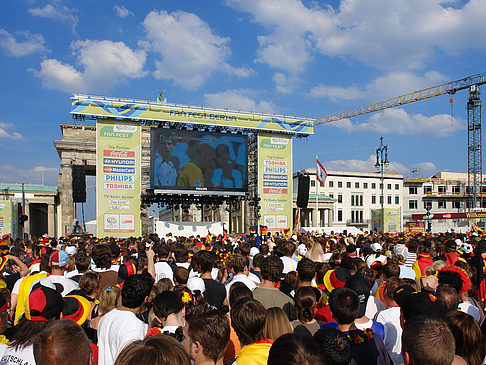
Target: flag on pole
[296,222]
[321,172]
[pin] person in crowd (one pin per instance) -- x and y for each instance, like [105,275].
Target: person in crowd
[169,314]
[58,261]
[448,297]
[276,324]
[267,293]
[82,263]
[401,253]
[468,337]
[376,255]
[427,341]
[110,298]
[120,326]
[390,319]
[288,249]
[368,347]
[291,349]
[214,293]
[316,253]
[162,267]
[423,259]
[153,350]
[44,304]
[305,304]
[206,335]
[51,345]
[240,269]
[12,269]
[248,321]
[334,345]
[102,264]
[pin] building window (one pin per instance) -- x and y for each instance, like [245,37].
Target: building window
[313,183]
[412,204]
[381,199]
[441,204]
[340,184]
[352,200]
[427,189]
[365,185]
[356,200]
[356,216]
[456,189]
[331,183]
[427,205]
[412,190]
[340,215]
[389,199]
[331,196]
[442,189]
[388,186]
[356,185]
[456,205]
[381,186]
[397,199]
[397,187]
[348,185]
[373,199]
[373,185]
[340,198]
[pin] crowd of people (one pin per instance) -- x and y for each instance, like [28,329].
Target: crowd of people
[241,299]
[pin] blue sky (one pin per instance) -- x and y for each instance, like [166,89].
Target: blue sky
[301,58]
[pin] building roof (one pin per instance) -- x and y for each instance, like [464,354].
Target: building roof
[321,197]
[28,188]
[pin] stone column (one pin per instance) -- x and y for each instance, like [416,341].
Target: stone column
[51,221]
[66,197]
[27,224]
[315,223]
[330,217]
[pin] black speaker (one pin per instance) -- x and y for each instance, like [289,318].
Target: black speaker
[79,183]
[303,191]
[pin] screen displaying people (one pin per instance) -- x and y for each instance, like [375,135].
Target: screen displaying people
[198,160]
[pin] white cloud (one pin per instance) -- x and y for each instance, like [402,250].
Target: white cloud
[379,33]
[401,122]
[122,12]
[58,13]
[425,168]
[388,86]
[30,43]
[104,64]
[363,165]
[239,100]
[285,84]
[189,50]
[4,133]
[12,174]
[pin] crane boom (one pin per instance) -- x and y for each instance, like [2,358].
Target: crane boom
[447,88]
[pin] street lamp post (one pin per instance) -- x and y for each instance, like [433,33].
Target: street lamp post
[380,165]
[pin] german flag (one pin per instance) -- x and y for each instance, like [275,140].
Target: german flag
[480,276]
[263,229]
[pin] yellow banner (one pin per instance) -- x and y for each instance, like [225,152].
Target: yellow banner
[275,180]
[118,178]
[189,114]
[5,217]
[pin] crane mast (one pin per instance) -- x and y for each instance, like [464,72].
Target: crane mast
[474,147]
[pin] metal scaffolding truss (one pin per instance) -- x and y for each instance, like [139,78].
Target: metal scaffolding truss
[474,148]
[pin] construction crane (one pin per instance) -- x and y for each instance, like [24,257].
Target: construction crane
[474,147]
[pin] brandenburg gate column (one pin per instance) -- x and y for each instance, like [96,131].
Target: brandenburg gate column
[66,197]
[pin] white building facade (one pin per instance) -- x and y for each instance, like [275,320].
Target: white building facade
[353,196]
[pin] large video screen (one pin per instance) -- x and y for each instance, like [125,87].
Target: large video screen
[198,161]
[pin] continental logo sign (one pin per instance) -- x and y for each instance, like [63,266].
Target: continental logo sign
[471,215]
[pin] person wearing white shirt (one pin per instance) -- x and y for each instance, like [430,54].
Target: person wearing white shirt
[120,326]
[289,263]
[240,270]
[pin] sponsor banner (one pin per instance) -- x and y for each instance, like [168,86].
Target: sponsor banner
[392,220]
[275,163]
[118,178]
[471,215]
[187,114]
[119,170]
[415,227]
[6,217]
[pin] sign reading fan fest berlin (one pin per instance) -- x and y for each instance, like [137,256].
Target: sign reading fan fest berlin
[275,180]
[118,178]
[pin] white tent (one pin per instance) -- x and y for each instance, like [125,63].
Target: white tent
[327,230]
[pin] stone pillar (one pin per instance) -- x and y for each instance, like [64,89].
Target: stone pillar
[330,217]
[315,223]
[51,221]
[66,197]
[27,224]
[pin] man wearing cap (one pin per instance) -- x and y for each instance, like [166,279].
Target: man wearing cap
[58,261]
[401,252]
[376,255]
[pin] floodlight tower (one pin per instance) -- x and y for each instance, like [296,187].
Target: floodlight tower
[474,160]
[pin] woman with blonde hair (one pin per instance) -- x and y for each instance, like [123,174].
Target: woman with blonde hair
[110,299]
[316,253]
[276,324]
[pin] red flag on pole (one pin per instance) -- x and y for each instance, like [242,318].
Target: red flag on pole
[321,172]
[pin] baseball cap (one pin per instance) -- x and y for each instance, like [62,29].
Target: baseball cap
[376,247]
[362,288]
[336,278]
[401,250]
[196,284]
[43,304]
[59,259]
[76,308]
[125,270]
[71,250]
